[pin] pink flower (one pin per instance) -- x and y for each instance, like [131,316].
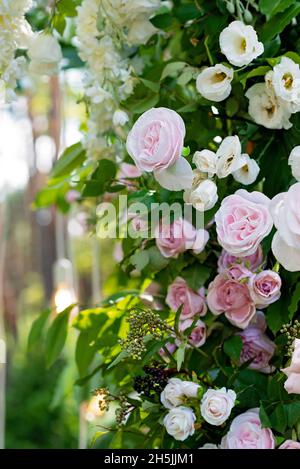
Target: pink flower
[198,334]
[243,221]
[170,347]
[128,171]
[229,296]
[239,272]
[253,262]
[256,345]
[179,236]
[180,294]
[292,384]
[290,444]
[265,288]
[246,432]
[72,196]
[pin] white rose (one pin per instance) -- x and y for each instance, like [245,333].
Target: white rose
[120,118]
[214,83]
[229,157]
[206,161]
[45,54]
[203,197]
[189,388]
[286,82]
[294,162]
[239,44]
[216,405]
[176,391]
[266,109]
[140,31]
[179,423]
[248,173]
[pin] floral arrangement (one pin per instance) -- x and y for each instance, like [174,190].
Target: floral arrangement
[194,104]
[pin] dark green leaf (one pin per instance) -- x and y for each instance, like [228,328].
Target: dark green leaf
[37,329]
[233,347]
[56,336]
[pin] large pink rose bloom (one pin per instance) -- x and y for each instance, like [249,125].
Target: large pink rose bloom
[290,444]
[246,432]
[253,262]
[286,216]
[179,294]
[292,384]
[265,288]
[243,221]
[256,345]
[156,140]
[229,296]
[179,236]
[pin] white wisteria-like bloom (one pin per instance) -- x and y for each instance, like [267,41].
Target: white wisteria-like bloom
[120,117]
[140,31]
[206,162]
[176,392]
[248,173]
[216,405]
[239,43]
[45,54]
[266,108]
[294,162]
[214,83]
[229,157]
[203,197]
[179,423]
[286,82]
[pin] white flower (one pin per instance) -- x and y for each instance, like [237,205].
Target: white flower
[266,109]
[176,391]
[45,54]
[216,405]
[209,446]
[206,162]
[248,173]
[229,157]
[214,83]
[239,44]
[179,423]
[120,118]
[140,31]
[203,197]
[286,82]
[294,162]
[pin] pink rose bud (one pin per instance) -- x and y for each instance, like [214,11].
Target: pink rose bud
[198,334]
[179,294]
[265,288]
[252,262]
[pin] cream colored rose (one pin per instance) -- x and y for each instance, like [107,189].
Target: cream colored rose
[248,173]
[216,405]
[203,197]
[239,43]
[179,423]
[286,82]
[229,157]
[214,83]
[206,162]
[176,391]
[45,54]
[294,162]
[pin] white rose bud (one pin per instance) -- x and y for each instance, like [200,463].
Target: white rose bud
[239,43]
[45,54]
[206,162]
[203,197]
[216,405]
[176,391]
[294,162]
[120,118]
[248,173]
[214,83]
[179,423]
[229,157]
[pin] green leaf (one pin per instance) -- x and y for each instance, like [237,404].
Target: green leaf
[56,336]
[145,103]
[71,158]
[96,437]
[140,259]
[37,329]
[100,179]
[180,354]
[119,358]
[294,56]
[279,22]
[233,347]
[68,7]
[278,419]
[163,22]
[232,106]
[196,275]
[85,351]
[157,261]
[151,85]
[172,69]
[271,7]
[256,72]
[264,418]
[293,413]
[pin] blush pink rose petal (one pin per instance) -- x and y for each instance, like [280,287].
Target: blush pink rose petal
[179,294]
[292,384]
[198,335]
[264,288]
[253,262]
[290,444]
[246,432]
[243,221]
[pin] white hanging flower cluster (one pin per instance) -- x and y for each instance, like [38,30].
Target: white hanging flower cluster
[104,29]
[14,34]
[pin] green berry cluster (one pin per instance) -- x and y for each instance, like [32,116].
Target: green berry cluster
[292,332]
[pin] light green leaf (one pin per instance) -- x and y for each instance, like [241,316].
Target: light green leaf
[180,354]
[172,69]
[37,329]
[279,22]
[71,158]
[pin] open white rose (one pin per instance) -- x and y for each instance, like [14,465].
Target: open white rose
[294,162]
[286,82]
[248,173]
[239,43]
[45,54]
[216,405]
[179,423]
[176,391]
[229,157]
[206,162]
[266,109]
[214,83]
[203,197]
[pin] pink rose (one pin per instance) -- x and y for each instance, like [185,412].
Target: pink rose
[229,296]
[180,294]
[253,262]
[170,347]
[246,432]
[128,171]
[290,444]
[239,272]
[179,236]
[292,384]
[243,221]
[198,334]
[265,288]
[256,345]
